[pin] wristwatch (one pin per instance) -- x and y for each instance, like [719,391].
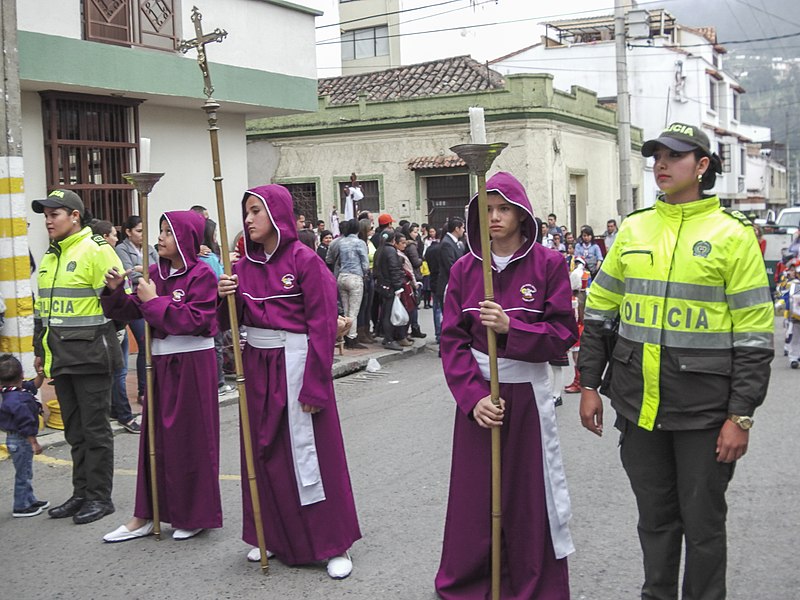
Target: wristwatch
[744,422]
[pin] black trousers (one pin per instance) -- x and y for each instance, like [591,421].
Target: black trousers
[85,402]
[680,491]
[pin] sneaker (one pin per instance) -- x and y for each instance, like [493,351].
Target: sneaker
[558,401]
[31,511]
[225,389]
[41,503]
[405,342]
[393,345]
[132,426]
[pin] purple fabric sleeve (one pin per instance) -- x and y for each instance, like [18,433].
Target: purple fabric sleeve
[119,305]
[460,368]
[319,294]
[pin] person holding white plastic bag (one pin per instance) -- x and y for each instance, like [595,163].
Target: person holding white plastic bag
[389,283]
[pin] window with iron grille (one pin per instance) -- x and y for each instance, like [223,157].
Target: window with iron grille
[147,23]
[370,201]
[304,199]
[447,198]
[88,143]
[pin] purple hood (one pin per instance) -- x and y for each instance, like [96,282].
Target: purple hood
[188,228]
[280,208]
[509,188]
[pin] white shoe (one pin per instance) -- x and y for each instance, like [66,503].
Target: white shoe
[340,566]
[185,534]
[123,534]
[255,555]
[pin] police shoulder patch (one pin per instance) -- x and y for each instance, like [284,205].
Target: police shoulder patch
[739,216]
[100,240]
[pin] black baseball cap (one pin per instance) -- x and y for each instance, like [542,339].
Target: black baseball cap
[57,199]
[681,138]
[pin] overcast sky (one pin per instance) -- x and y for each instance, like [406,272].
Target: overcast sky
[493,28]
[468,27]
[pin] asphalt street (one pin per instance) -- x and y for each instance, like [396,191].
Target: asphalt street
[397,425]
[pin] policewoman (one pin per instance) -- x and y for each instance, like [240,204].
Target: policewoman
[76,345]
[691,362]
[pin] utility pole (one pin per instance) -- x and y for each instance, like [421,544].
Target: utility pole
[623,111]
[16,336]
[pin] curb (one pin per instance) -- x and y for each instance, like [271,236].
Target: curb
[55,438]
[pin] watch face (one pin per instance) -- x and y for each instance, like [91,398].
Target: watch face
[743,422]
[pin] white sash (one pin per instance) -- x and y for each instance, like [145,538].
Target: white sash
[175,344]
[559,511]
[301,425]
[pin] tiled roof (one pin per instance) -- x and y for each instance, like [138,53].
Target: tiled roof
[459,74]
[435,162]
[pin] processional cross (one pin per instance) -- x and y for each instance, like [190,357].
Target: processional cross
[211,107]
[200,42]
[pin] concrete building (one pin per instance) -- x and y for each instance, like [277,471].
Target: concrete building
[101,82]
[675,73]
[394,129]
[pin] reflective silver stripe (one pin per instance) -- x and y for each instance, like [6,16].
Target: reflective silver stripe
[675,290]
[753,339]
[595,314]
[74,321]
[645,287]
[676,339]
[612,284]
[749,298]
[59,292]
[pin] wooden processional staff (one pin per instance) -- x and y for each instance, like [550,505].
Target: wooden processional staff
[144,182]
[479,158]
[211,107]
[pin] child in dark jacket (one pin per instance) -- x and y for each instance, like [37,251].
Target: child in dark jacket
[19,418]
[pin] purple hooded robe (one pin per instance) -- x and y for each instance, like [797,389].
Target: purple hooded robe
[534,291]
[287,303]
[182,324]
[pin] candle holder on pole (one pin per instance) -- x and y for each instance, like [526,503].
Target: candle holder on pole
[479,159]
[143,184]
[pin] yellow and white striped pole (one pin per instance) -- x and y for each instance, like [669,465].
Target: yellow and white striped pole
[16,335]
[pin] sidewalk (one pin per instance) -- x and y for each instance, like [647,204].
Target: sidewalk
[343,364]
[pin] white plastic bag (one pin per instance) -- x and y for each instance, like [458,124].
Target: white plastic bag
[399,315]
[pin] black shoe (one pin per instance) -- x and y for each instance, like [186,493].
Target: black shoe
[558,401]
[93,510]
[416,333]
[34,509]
[132,426]
[352,344]
[68,509]
[393,345]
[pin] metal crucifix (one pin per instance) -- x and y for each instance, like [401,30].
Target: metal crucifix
[211,107]
[200,42]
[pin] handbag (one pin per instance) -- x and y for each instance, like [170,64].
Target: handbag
[399,315]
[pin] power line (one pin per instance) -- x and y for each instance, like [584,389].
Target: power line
[726,43]
[386,14]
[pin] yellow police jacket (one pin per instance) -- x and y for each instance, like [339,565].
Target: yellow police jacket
[71,334]
[689,286]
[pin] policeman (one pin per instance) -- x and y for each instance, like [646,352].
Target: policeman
[76,345]
[690,365]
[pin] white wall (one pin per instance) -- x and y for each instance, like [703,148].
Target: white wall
[53,17]
[261,36]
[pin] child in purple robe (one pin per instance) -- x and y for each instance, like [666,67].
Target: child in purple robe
[179,303]
[532,317]
[286,300]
